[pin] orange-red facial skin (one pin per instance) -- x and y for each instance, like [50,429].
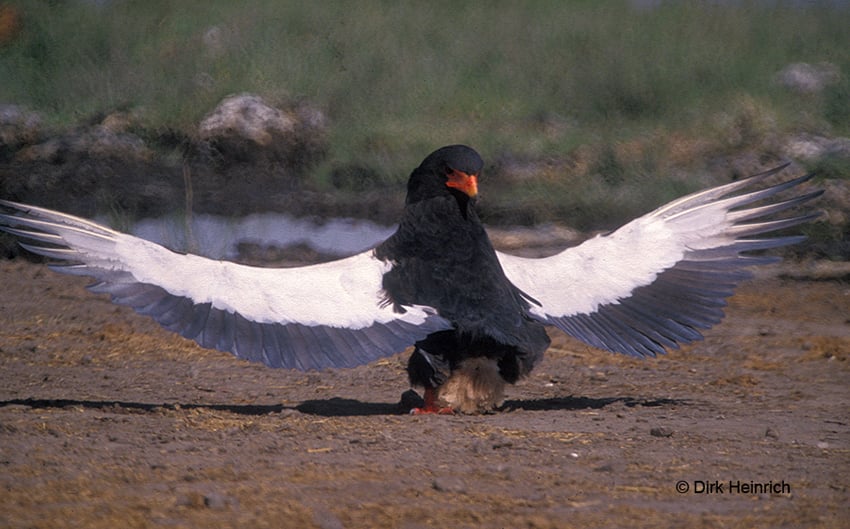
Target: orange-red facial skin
[467,183]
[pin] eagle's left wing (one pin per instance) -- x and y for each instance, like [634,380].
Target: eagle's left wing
[657,281]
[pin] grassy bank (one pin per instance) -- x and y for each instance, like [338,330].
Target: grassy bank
[643,90]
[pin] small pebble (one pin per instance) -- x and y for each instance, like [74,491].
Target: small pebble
[449,484]
[661,431]
[598,376]
[216,501]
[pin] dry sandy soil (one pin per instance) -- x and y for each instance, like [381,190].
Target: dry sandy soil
[108,421]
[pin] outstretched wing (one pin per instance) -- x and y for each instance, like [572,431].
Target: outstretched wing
[325,315]
[658,280]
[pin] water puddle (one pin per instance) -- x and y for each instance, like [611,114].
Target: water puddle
[219,237]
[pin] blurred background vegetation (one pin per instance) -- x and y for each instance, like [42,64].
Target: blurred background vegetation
[598,109]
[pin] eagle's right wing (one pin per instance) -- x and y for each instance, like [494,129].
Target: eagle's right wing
[325,315]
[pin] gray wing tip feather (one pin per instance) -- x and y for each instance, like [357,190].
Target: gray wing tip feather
[690,295]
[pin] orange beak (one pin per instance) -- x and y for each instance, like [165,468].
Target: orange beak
[468,183]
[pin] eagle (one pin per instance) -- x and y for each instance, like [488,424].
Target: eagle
[476,318]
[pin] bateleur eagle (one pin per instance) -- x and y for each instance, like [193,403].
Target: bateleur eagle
[476,317]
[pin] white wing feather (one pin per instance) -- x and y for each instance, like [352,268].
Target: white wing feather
[330,314]
[598,271]
[654,282]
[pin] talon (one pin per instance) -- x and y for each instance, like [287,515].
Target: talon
[432,410]
[431,407]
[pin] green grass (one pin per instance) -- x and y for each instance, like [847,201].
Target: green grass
[397,79]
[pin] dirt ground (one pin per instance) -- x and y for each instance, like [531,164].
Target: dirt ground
[108,421]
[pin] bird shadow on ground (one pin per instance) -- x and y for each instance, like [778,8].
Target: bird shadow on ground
[127,406]
[337,406]
[333,407]
[583,403]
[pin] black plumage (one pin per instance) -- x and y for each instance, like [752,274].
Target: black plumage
[443,258]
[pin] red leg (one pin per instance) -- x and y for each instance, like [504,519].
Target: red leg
[431,406]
